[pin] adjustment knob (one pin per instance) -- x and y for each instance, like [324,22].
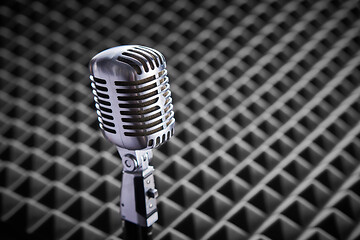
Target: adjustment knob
[152,193]
[130,163]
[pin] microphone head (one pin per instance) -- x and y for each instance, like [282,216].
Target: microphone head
[132,96]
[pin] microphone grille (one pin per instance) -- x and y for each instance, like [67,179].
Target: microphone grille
[143,99]
[103,104]
[148,58]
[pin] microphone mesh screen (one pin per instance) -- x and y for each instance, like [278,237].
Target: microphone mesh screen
[266,97]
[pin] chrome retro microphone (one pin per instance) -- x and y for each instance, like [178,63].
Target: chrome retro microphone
[135,112]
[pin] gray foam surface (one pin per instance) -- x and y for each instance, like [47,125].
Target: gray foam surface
[267,103]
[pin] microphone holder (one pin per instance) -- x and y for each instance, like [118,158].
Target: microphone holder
[138,192]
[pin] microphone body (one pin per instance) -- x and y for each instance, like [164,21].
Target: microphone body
[135,112]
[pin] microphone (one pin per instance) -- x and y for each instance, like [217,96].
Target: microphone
[135,112]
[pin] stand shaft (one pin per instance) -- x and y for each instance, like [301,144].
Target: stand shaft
[136,232]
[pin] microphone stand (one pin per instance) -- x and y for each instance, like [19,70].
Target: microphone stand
[138,194]
[135,232]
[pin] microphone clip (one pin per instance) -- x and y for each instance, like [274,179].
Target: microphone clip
[138,192]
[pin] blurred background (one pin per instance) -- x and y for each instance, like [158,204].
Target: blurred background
[267,103]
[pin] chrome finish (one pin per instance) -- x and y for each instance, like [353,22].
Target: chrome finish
[133,101]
